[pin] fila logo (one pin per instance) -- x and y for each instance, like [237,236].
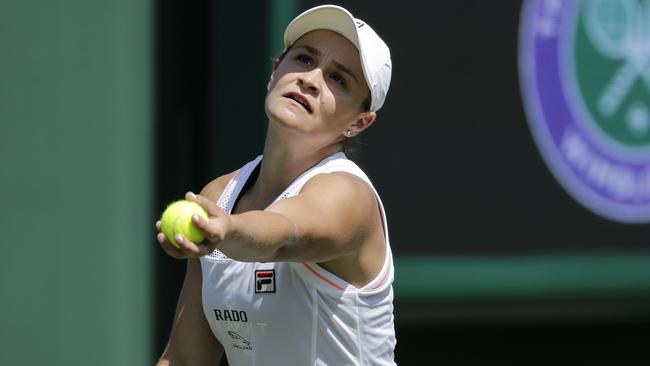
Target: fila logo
[264,281]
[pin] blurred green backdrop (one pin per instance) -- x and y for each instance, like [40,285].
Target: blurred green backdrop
[77,142]
[75,150]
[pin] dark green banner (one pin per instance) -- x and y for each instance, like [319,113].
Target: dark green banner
[75,152]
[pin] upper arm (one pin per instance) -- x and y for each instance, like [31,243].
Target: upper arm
[191,341]
[333,215]
[214,189]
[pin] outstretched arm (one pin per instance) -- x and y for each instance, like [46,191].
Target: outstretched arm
[332,216]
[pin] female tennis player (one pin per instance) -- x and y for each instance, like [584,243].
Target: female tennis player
[296,268]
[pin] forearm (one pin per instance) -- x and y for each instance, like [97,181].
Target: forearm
[257,236]
[171,358]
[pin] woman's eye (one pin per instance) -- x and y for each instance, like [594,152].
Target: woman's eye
[338,79]
[303,59]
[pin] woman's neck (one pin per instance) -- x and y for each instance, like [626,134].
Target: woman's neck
[284,160]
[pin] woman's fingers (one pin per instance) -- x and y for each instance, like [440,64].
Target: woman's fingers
[191,249]
[185,248]
[212,230]
[169,248]
[216,226]
[210,206]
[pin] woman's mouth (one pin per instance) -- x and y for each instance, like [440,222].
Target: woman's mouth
[300,100]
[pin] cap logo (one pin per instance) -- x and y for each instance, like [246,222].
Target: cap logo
[359,23]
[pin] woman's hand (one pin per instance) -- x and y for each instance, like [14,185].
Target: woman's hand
[214,229]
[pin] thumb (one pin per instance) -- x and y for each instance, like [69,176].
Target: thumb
[208,205]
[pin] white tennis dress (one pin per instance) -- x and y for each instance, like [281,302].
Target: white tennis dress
[297,314]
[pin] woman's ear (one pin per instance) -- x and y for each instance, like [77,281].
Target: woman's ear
[365,120]
[276,63]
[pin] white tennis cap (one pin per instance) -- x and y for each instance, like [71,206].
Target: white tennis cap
[375,56]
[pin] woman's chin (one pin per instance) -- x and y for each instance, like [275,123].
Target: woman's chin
[285,117]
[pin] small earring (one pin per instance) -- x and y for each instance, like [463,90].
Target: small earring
[347,133]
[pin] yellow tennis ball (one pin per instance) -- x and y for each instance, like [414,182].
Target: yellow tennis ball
[177,219]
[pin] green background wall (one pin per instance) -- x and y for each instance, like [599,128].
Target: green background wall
[75,158]
[77,180]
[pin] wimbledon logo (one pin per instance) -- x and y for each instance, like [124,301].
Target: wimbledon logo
[585,77]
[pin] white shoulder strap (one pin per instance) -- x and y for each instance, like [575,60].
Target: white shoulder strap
[229,195]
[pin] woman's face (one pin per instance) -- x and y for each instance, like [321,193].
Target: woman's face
[318,88]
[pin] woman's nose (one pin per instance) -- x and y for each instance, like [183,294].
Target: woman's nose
[310,80]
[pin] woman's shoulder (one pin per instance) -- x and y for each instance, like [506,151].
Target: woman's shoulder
[214,189]
[342,183]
